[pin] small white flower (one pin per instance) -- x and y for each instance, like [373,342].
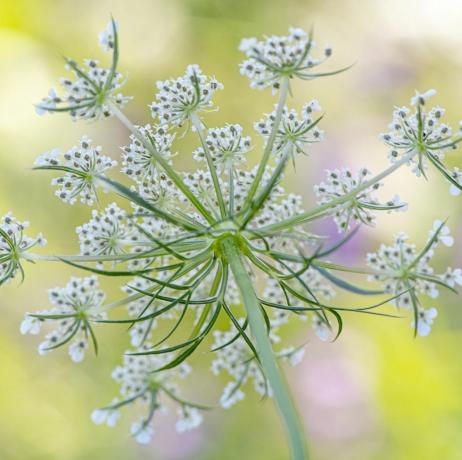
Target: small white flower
[189,418]
[143,433]
[421,98]
[456,174]
[294,356]
[231,395]
[107,416]
[444,235]
[452,277]
[322,330]
[77,350]
[30,325]
[107,36]
[50,158]
[247,44]
[425,321]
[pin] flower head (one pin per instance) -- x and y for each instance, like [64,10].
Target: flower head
[142,387]
[178,99]
[227,147]
[82,165]
[422,135]
[107,233]
[13,246]
[359,208]
[275,57]
[138,161]
[295,131]
[405,271]
[94,92]
[223,243]
[74,307]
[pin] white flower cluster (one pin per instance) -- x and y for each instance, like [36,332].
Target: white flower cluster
[141,386]
[359,208]
[93,93]
[138,162]
[178,99]
[74,307]
[401,269]
[295,131]
[277,56]
[227,147]
[192,242]
[13,245]
[82,164]
[161,192]
[107,233]
[424,133]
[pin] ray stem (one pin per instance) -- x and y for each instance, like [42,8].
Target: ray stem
[174,176]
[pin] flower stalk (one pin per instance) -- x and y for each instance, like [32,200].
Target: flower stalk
[284,401]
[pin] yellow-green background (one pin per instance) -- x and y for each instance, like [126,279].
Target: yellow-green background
[377,393]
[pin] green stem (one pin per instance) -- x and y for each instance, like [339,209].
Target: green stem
[272,137]
[213,172]
[269,364]
[165,165]
[319,210]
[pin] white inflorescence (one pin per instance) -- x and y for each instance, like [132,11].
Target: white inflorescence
[13,245]
[108,232]
[84,96]
[403,269]
[423,132]
[138,162]
[142,387]
[95,90]
[271,59]
[83,163]
[168,242]
[74,307]
[358,209]
[178,99]
[295,132]
[227,147]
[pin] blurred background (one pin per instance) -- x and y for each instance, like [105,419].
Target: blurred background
[375,394]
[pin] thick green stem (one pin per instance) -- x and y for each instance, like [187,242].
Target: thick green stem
[268,361]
